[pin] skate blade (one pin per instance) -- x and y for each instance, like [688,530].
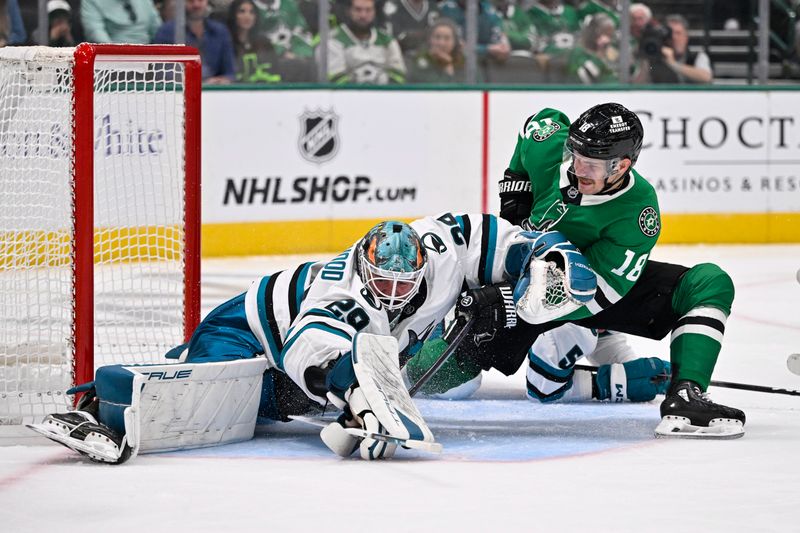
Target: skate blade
[97,449]
[679,427]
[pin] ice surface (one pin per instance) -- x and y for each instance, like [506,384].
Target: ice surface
[507,465]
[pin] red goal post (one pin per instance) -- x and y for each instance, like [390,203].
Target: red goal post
[99,216]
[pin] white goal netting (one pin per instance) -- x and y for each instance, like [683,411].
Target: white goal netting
[139,212]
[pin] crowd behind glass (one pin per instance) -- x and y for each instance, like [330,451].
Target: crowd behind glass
[383,42]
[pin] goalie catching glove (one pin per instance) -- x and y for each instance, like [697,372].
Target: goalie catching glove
[366,384]
[555,278]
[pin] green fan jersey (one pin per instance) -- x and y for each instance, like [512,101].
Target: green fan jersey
[585,67]
[284,24]
[376,60]
[616,231]
[593,7]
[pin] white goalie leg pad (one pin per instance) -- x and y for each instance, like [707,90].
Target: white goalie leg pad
[681,427]
[193,405]
[377,369]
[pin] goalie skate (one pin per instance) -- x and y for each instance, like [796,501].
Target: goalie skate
[687,412]
[79,431]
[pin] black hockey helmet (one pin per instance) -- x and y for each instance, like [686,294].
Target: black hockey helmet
[607,131]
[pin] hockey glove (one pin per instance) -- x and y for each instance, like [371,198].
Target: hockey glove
[516,199]
[639,380]
[344,392]
[531,245]
[491,306]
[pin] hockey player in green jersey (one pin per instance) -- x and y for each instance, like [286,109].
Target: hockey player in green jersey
[578,180]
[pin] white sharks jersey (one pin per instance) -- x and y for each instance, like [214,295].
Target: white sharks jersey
[463,251]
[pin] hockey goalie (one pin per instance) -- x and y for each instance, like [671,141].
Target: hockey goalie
[322,333]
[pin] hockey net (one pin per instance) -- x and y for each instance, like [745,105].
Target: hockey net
[99,214]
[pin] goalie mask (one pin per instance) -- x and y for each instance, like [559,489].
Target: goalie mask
[598,142]
[392,263]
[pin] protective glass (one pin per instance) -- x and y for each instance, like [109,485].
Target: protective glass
[393,289]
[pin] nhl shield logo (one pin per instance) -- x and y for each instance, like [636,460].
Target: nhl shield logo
[319,136]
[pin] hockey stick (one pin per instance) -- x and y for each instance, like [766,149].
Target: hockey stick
[412,444]
[725,384]
[453,336]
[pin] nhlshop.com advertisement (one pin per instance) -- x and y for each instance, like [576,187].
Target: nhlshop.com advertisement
[306,155]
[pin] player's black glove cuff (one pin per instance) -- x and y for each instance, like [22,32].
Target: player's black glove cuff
[492,307]
[516,199]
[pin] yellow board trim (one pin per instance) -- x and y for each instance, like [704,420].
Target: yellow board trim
[281,238]
[320,236]
[41,248]
[739,228]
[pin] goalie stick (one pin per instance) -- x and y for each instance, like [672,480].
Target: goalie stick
[413,444]
[725,384]
[456,333]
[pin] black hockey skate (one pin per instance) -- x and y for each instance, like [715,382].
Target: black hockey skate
[688,412]
[80,431]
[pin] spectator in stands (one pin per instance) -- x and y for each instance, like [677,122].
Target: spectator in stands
[360,53]
[59,18]
[549,29]
[12,29]
[119,21]
[592,60]
[256,58]
[641,15]
[442,61]
[286,27]
[545,27]
[590,8]
[210,37]
[674,62]
[492,42]
[166,9]
[220,9]
[410,21]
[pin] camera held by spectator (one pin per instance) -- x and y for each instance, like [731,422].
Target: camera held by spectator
[654,38]
[664,55]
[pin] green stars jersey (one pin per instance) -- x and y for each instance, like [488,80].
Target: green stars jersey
[376,60]
[616,231]
[286,27]
[593,7]
[537,28]
[585,67]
